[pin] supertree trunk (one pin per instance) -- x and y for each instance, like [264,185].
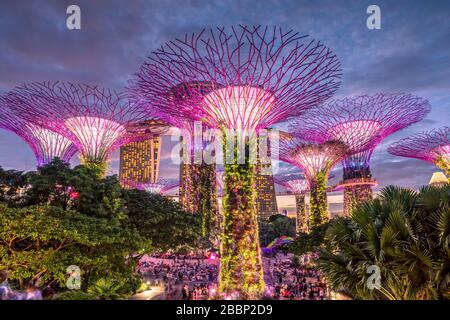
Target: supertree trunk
[318,200]
[301,224]
[355,195]
[186,196]
[241,264]
[206,195]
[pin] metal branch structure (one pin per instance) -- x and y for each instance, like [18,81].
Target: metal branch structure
[198,189]
[431,146]
[315,160]
[95,119]
[361,122]
[45,144]
[299,186]
[161,186]
[249,78]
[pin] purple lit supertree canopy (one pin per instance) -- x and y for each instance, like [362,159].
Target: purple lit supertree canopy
[95,119]
[256,76]
[298,185]
[161,186]
[316,159]
[45,144]
[361,122]
[431,146]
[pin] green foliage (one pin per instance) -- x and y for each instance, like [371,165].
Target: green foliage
[106,289]
[405,233]
[56,184]
[75,295]
[312,241]
[11,184]
[276,226]
[40,242]
[161,220]
[241,265]
[318,199]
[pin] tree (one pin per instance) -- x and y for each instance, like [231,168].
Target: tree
[161,220]
[12,182]
[40,242]
[50,185]
[275,226]
[81,189]
[403,232]
[312,241]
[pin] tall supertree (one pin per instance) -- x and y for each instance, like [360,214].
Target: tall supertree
[297,185]
[361,122]
[315,159]
[95,119]
[431,146]
[257,76]
[161,186]
[45,144]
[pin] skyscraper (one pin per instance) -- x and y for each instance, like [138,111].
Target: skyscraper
[266,197]
[139,160]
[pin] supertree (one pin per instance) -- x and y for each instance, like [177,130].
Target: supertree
[257,76]
[161,186]
[45,144]
[361,122]
[198,190]
[315,159]
[95,119]
[297,185]
[431,146]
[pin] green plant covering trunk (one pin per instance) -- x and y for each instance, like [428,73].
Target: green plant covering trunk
[97,165]
[241,269]
[301,218]
[206,197]
[354,195]
[318,200]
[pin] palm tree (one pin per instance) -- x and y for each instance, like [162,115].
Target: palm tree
[106,289]
[403,232]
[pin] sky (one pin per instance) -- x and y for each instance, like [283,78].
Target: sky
[411,53]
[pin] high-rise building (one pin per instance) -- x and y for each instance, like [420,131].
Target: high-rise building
[265,186]
[139,160]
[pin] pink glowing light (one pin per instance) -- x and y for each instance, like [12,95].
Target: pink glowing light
[429,146]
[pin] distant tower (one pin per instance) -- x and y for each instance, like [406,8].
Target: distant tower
[265,188]
[139,160]
[438,179]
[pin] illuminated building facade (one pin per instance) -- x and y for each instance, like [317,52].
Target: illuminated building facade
[139,160]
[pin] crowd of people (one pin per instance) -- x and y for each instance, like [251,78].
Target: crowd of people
[184,278]
[287,280]
[6,293]
[191,278]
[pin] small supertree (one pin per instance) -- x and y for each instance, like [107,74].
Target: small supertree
[431,146]
[297,185]
[95,119]
[45,144]
[361,122]
[161,186]
[198,190]
[256,77]
[315,160]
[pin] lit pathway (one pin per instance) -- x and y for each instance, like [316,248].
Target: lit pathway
[154,293]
